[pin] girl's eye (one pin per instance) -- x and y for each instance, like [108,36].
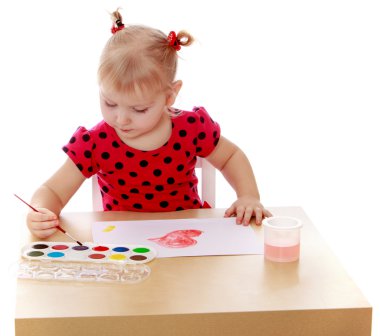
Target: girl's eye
[141,111]
[109,104]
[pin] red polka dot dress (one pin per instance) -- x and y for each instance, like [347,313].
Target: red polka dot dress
[151,181]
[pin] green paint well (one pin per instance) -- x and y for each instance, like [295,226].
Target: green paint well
[141,250]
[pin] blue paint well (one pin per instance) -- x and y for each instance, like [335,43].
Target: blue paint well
[120,249]
[56,254]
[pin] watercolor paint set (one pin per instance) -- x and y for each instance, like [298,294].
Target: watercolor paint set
[89,252]
[122,263]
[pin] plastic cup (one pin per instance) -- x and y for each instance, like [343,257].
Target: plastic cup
[282,238]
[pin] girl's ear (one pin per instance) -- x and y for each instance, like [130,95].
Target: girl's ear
[176,87]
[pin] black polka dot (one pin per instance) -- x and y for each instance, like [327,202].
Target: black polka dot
[115,144]
[80,167]
[149,196]
[168,159]
[195,202]
[105,189]
[65,149]
[90,169]
[129,154]
[186,198]
[102,135]
[157,172]
[170,180]
[121,182]
[143,163]
[182,133]
[133,174]
[177,146]
[180,167]
[201,135]
[109,207]
[119,165]
[87,154]
[202,119]
[137,206]
[124,196]
[164,204]
[191,120]
[115,202]
[134,191]
[159,188]
[72,140]
[105,155]
[216,142]
[215,134]
[86,137]
[195,141]
[173,193]
[198,149]
[179,209]
[146,183]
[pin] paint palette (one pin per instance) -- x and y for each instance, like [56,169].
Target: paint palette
[89,252]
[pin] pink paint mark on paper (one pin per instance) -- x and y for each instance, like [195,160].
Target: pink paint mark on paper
[178,239]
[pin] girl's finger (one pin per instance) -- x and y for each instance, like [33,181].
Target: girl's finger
[267,213]
[247,216]
[259,216]
[239,214]
[44,233]
[230,211]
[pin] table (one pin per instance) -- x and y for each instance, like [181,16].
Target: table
[213,295]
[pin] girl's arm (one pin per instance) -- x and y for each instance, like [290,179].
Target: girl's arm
[51,197]
[235,167]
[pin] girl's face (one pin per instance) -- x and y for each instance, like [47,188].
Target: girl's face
[133,115]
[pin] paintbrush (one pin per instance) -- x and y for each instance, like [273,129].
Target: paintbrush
[58,227]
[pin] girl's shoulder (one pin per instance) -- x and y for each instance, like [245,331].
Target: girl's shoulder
[198,115]
[100,130]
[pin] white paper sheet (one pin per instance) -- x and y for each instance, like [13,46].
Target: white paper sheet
[182,237]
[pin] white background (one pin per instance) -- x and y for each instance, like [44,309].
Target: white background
[294,83]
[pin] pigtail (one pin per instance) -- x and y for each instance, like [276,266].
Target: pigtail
[182,39]
[117,21]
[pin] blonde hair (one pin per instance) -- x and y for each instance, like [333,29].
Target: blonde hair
[138,58]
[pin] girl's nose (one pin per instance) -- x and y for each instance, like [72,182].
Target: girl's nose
[123,118]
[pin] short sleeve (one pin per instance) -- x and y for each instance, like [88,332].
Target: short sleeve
[80,150]
[208,131]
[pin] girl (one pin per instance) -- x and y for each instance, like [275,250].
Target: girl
[144,151]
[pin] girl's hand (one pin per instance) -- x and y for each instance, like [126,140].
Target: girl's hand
[43,223]
[244,208]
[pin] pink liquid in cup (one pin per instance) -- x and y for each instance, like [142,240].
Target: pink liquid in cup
[282,253]
[282,238]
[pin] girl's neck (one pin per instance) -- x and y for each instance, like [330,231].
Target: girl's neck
[154,139]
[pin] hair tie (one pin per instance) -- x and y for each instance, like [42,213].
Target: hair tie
[173,41]
[119,26]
